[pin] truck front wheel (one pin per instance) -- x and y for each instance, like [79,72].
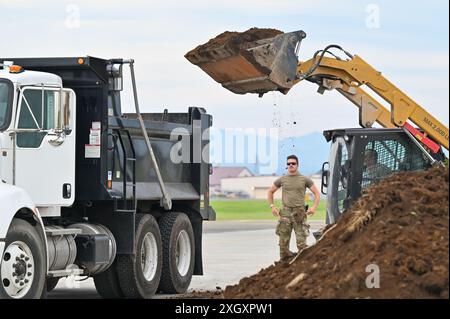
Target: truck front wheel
[23,264]
[178,253]
[139,274]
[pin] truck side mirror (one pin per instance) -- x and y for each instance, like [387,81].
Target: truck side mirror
[66,112]
[63,116]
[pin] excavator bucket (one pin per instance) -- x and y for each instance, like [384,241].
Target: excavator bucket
[255,61]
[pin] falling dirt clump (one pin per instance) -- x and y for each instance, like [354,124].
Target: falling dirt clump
[399,229]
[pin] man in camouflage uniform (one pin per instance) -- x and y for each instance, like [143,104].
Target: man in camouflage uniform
[293,216]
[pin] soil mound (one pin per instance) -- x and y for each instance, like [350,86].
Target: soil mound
[399,227]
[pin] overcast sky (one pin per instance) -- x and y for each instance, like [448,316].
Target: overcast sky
[408,43]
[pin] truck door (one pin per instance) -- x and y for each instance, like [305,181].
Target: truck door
[45,145]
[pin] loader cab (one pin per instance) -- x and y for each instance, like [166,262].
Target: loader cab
[361,157]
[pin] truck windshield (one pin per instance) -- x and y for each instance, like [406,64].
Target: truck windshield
[4,104]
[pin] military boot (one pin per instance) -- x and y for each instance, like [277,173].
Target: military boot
[286,254]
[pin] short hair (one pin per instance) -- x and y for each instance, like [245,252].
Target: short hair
[293,157]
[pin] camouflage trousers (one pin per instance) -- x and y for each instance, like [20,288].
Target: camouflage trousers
[292,219]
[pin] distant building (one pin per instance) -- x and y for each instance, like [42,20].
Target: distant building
[257,186]
[220,173]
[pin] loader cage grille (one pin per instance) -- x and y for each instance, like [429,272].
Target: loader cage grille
[383,158]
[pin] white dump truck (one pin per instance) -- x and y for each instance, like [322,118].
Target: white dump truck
[87,190]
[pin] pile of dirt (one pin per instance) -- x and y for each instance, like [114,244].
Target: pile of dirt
[217,294]
[232,42]
[400,227]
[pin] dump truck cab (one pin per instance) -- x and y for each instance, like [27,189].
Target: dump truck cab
[360,157]
[37,126]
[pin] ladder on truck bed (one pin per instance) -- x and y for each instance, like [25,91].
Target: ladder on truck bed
[126,204]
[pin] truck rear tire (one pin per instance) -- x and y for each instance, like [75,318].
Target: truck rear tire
[23,266]
[178,253]
[107,283]
[139,274]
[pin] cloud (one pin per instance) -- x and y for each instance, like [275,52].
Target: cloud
[135,7]
[158,34]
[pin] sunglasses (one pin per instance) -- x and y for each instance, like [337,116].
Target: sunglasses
[291,164]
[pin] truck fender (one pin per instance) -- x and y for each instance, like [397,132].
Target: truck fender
[15,202]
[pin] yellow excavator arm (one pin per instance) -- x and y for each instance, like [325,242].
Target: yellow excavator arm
[347,77]
[263,60]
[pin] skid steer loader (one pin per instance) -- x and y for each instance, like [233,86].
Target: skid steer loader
[260,64]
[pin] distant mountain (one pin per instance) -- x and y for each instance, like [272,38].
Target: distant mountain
[312,150]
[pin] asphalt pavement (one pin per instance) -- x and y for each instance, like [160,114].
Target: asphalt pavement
[232,250]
